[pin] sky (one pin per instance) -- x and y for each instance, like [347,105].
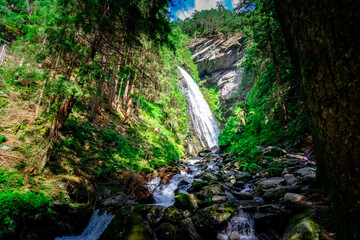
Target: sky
[182,9]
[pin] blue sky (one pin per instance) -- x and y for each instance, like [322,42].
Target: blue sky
[185,8]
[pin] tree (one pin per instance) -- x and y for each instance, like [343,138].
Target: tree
[324,48]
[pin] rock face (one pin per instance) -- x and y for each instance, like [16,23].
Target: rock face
[217,59]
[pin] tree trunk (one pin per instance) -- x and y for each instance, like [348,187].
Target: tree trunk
[325,49]
[43,90]
[125,93]
[129,104]
[139,98]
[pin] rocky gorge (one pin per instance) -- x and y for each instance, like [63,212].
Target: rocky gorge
[222,202]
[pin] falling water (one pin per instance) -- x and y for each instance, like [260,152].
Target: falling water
[204,123]
[97,225]
[240,226]
[164,193]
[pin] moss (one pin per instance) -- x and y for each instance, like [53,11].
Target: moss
[172,214]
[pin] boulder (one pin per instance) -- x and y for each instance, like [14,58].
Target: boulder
[304,229]
[293,197]
[219,199]
[243,195]
[155,215]
[290,179]
[190,230]
[207,176]
[268,183]
[242,176]
[197,186]
[305,171]
[172,214]
[186,201]
[207,219]
[166,231]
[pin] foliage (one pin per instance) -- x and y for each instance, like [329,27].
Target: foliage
[2,138]
[212,98]
[208,22]
[273,113]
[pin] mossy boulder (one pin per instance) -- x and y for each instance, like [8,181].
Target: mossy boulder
[166,231]
[127,227]
[172,214]
[211,217]
[197,186]
[306,229]
[186,201]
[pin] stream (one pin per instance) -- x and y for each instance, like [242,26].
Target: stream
[239,226]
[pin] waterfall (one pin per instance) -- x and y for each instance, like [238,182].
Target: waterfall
[97,225]
[204,123]
[240,226]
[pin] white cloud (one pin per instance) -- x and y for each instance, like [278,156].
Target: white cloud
[199,6]
[235,3]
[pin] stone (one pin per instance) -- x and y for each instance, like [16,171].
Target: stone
[213,189]
[290,179]
[233,181]
[117,200]
[293,197]
[305,171]
[243,195]
[197,186]
[237,165]
[208,177]
[190,230]
[242,176]
[166,231]
[269,183]
[172,214]
[186,201]
[155,215]
[273,151]
[219,199]
[305,229]
[210,217]
[274,193]
[285,171]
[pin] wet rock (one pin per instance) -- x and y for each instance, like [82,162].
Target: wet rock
[293,197]
[203,153]
[117,200]
[197,186]
[211,190]
[190,230]
[219,199]
[274,193]
[166,231]
[172,214]
[209,218]
[183,183]
[186,201]
[233,181]
[242,176]
[243,195]
[307,174]
[304,228]
[291,163]
[290,179]
[269,183]
[127,227]
[305,171]
[285,171]
[270,208]
[207,176]
[155,215]
[273,151]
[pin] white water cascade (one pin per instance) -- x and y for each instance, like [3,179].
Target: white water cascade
[204,123]
[240,226]
[97,225]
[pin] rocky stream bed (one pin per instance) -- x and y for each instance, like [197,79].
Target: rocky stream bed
[207,197]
